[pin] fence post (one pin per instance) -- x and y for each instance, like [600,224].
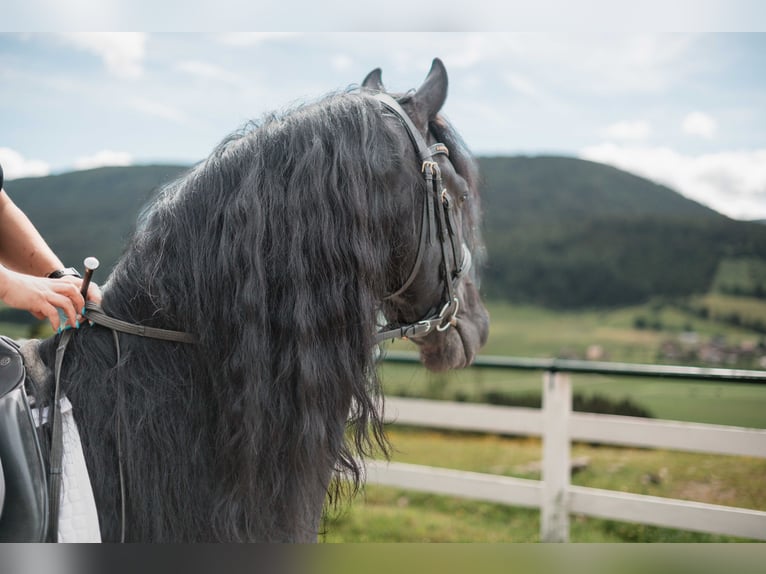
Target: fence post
[557,404]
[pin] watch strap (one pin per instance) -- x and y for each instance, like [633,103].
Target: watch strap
[59,273]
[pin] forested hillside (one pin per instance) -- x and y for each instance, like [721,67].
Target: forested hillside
[563,232]
[560,232]
[91,212]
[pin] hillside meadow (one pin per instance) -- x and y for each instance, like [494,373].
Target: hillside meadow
[526,331]
[385,514]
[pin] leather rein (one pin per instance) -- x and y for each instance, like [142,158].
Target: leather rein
[95,314]
[437,223]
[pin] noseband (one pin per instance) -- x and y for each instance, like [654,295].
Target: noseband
[437,223]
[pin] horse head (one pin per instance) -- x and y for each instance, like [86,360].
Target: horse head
[439,280]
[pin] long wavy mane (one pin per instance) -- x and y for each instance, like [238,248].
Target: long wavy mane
[275,253]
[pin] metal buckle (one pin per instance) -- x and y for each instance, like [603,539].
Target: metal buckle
[431,166]
[415,334]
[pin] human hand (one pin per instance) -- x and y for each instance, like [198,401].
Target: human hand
[94,291]
[42,297]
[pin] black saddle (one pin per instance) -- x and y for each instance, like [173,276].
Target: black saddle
[23,483]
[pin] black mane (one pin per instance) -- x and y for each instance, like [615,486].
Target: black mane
[275,252]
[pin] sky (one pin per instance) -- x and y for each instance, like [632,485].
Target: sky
[687,110]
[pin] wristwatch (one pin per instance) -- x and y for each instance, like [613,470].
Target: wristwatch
[59,273]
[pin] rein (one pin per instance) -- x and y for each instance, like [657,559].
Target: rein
[438,216]
[95,314]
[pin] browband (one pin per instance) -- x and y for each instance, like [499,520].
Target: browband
[425,152]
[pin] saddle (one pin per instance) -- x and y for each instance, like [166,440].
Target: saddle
[23,482]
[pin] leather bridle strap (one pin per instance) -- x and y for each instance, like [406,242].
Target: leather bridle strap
[436,200]
[56,454]
[95,314]
[424,151]
[428,168]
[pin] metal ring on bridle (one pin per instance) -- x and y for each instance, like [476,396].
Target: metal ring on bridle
[452,321]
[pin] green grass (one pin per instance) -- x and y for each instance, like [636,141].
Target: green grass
[14,330]
[714,403]
[528,331]
[721,306]
[535,332]
[745,275]
[384,514]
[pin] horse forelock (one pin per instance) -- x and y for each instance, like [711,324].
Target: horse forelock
[273,251]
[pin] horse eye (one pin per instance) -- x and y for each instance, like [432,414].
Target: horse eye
[464,198]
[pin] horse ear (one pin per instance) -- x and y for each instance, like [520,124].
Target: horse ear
[431,95]
[374,81]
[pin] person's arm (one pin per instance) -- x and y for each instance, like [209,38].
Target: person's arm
[22,248]
[25,261]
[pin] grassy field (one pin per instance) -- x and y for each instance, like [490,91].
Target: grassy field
[13,330]
[720,306]
[742,274]
[383,514]
[534,332]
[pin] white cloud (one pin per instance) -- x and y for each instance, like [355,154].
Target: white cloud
[523,85]
[342,62]
[733,183]
[207,71]
[103,158]
[605,63]
[16,165]
[628,130]
[122,52]
[699,124]
[160,110]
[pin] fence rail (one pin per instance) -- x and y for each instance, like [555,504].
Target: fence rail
[559,426]
[601,368]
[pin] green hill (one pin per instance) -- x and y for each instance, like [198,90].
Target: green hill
[560,232]
[564,232]
[91,212]
[534,189]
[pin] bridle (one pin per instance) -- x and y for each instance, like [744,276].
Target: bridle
[438,223]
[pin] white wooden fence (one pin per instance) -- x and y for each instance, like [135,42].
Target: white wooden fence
[554,495]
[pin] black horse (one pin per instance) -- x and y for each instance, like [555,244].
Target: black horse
[279,253]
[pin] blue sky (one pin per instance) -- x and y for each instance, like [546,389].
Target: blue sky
[687,110]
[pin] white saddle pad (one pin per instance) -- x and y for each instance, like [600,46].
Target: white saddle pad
[78,519]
